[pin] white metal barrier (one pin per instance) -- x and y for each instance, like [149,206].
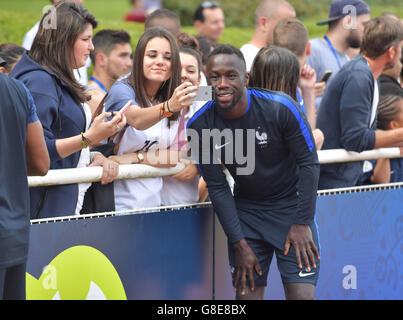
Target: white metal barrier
[131,171]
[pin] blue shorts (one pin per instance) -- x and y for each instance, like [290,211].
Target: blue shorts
[264,248]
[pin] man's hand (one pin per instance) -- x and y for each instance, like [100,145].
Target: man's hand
[300,237]
[307,79]
[245,263]
[320,88]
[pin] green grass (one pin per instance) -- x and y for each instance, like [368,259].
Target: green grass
[18,16]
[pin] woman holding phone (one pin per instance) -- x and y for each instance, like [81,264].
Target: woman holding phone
[47,71]
[158,95]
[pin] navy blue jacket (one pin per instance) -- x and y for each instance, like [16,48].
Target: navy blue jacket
[17,111]
[281,151]
[344,117]
[61,117]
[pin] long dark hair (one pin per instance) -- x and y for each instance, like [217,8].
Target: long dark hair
[53,45]
[137,78]
[190,45]
[276,69]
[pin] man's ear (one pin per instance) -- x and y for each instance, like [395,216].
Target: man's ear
[100,59]
[198,25]
[263,23]
[393,125]
[246,79]
[3,70]
[348,23]
[391,52]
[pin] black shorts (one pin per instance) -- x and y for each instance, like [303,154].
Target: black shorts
[287,265]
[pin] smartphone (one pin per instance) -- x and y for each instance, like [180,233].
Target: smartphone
[204,93]
[125,107]
[326,76]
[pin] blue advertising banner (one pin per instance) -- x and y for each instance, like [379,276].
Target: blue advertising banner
[361,237]
[165,255]
[182,254]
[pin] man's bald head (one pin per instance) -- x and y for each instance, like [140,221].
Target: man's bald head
[268,14]
[272,8]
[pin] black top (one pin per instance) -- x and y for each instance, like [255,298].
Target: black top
[17,111]
[270,153]
[389,86]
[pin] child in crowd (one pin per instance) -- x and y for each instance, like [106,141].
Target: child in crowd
[390,116]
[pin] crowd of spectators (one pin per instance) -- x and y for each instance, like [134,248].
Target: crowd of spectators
[136,105]
[80,115]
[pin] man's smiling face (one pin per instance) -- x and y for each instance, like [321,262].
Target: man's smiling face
[227,74]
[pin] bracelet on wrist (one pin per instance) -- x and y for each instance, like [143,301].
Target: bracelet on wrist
[168,108]
[85,142]
[165,113]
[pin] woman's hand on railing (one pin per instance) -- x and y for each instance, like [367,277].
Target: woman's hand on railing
[110,168]
[189,172]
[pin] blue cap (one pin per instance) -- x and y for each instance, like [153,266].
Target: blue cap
[339,9]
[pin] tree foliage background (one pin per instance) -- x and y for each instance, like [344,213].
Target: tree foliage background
[240,13]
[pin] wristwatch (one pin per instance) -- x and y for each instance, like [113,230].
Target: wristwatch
[140,157]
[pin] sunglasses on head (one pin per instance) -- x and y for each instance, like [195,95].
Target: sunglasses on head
[392,44]
[209,4]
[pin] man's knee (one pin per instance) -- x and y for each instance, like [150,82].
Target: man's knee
[299,291]
[257,294]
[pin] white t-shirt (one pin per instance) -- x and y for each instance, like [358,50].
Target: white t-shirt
[249,52]
[143,192]
[81,74]
[374,103]
[175,192]
[83,161]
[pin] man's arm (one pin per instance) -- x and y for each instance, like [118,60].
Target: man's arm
[355,112]
[299,139]
[389,138]
[225,208]
[36,151]
[219,190]
[37,155]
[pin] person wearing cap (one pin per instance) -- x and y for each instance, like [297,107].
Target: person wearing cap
[209,21]
[348,111]
[345,29]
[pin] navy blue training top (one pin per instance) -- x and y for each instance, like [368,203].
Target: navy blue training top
[279,148]
[17,111]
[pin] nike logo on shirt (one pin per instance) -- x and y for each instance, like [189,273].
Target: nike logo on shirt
[217,147]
